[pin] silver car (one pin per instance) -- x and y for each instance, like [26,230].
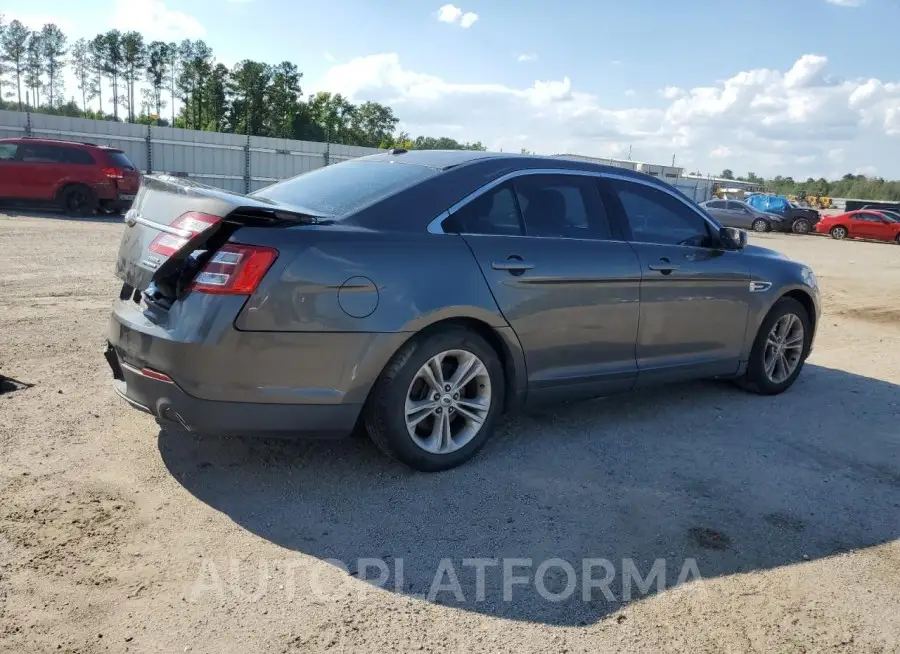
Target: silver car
[733,213]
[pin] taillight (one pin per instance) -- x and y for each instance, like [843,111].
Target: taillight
[189,224]
[114,173]
[234,270]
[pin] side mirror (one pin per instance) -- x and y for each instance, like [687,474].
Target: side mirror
[733,238]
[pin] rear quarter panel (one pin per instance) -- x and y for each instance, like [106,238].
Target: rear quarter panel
[357,280]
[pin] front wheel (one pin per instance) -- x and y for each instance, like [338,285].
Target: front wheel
[780,349]
[801,226]
[760,225]
[435,404]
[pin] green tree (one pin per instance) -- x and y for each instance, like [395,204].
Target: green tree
[97,65]
[283,97]
[81,65]
[156,72]
[53,43]
[174,65]
[215,97]
[112,62]
[372,123]
[727,174]
[134,60]
[247,85]
[13,50]
[34,67]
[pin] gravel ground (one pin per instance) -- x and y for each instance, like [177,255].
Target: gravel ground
[117,537]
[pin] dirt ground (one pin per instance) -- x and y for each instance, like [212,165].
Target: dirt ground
[117,537]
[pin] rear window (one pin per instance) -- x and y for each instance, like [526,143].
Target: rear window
[119,160]
[343,188]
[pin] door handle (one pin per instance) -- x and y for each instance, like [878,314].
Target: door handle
[664,266]
[513,265]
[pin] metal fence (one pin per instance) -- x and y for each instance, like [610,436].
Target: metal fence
[229,161]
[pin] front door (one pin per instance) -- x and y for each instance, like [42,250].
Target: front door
[10,171]
[565,283]
[870,225]
[41,168]
[694,295]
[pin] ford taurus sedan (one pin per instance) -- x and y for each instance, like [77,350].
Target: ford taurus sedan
[423,294]
[733,213]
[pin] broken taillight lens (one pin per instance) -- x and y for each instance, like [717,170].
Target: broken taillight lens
[190,224]
[234,270]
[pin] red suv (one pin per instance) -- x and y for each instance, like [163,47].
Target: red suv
[81,178]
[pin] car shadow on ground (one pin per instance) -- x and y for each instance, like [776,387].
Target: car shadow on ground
[51,214]
[700,472]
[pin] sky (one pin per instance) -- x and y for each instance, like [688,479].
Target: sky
[806,88]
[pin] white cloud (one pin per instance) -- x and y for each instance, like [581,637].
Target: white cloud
[453,14]
[798,122]
[468,19]
[155,20]
[526,57]
[329,57]
[846,3]
[37,21]
[630,93]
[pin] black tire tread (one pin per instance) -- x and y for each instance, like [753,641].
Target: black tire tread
[746,381]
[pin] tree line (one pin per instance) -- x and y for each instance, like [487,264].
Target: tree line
[848,186]
[122,77]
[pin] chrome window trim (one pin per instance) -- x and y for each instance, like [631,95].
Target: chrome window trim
[435,227]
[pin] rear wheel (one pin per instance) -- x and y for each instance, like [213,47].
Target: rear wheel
[78,201]
[839,232]
[780,349]
[435,404]
[801,226]
[897,239]
[760,225]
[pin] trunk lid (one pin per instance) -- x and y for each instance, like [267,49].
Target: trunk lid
[173,218]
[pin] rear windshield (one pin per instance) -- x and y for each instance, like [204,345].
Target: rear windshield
[343,188]
[120,160]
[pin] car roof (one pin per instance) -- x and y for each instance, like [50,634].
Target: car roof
[77,144]
[442,160]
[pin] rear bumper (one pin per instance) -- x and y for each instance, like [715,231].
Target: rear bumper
[170,404]
[225,381]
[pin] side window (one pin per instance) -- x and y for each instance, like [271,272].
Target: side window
[716,204]
[35,153]
[493,212]
[562,206]
[658,217]
[8,151]
[736,206]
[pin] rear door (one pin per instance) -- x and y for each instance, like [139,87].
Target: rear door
[718,209]
[694,295]
[564,279]
[9,170]
[42,167]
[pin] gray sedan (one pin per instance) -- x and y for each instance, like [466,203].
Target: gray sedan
[733,213]
[421,295]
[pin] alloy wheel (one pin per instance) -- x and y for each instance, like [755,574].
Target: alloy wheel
[784,348]
[448,401]
[760,225]
[839,233]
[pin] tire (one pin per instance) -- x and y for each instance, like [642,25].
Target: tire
[897,240]
[761,225]
[78,201]
[756,379]
[801,226]
[386,408]
[839,232]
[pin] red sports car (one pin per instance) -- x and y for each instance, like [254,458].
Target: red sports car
[875,225]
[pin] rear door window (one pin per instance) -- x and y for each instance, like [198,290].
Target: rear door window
[344,188]
[39,153]
[493,212]
[8,151]
[562,206]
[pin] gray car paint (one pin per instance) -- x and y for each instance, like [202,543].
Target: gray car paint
[743,218]
[589,319]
